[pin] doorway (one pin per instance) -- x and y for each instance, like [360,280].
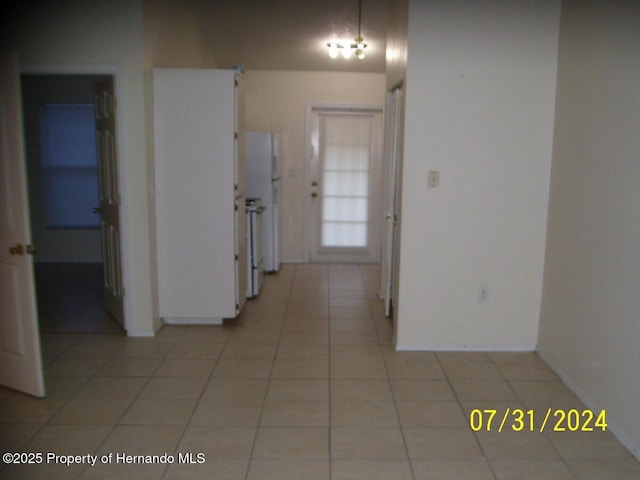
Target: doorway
[71,168]
[344,184]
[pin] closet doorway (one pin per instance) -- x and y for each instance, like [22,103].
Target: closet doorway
[69,125]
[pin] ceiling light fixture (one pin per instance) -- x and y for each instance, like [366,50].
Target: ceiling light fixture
[348,48]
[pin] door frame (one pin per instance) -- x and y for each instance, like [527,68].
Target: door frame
[118,78]
[310,108]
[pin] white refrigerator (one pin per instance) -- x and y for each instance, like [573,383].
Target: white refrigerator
[263,180]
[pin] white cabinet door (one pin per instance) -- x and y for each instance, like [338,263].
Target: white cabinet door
[20,358]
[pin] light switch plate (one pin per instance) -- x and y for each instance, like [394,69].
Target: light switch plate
[434,178]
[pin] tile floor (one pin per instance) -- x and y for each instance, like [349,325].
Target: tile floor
[304,385]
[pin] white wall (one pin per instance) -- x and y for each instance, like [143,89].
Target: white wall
[479,108]
[590,326]
[276,101]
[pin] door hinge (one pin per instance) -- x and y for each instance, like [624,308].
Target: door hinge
[236,257]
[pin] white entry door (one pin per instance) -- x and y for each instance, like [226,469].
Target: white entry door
[109,199]
[20,357]
[344,186]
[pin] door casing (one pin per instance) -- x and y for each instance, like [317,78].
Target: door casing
[312,109]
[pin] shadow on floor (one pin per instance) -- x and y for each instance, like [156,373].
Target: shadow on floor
[70,298]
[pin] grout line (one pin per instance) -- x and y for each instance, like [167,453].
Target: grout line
[329,274]
[330,419]
[198,400]
[269,380]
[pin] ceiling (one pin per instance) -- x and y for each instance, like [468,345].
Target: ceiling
[291,34]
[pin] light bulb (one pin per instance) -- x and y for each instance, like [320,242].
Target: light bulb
[346,53]
[333,50]
[360,53]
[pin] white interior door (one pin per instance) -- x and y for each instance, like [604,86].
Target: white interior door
[20,357]
[389,251]
[344,186]
[109,199]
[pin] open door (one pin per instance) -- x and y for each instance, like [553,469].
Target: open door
[389,254]
[109,208]
[20,357]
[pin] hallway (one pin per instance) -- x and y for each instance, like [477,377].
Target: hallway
[304,385]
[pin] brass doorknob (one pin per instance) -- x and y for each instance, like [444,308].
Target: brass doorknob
[16,250]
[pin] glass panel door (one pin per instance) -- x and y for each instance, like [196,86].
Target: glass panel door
[344,191]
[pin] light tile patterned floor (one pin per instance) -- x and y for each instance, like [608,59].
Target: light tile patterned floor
[304,385]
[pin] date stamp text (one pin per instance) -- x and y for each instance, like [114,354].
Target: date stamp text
[556,420]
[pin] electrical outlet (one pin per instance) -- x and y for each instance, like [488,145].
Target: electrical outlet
[483,294]
[434,178]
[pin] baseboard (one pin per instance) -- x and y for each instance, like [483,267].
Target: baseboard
[465,348]
[193,320]
[142,333]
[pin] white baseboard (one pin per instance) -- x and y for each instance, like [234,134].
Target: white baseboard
[193,320]
[464,348]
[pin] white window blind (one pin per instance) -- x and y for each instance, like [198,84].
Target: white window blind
[69,165]
[345,180]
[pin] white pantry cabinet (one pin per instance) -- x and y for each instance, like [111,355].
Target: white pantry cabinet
[199,194]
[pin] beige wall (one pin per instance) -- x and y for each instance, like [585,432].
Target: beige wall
[104,37]
[172,38]
[480,94]
[276,101]
[396,54]
[125,38]
[590,326]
